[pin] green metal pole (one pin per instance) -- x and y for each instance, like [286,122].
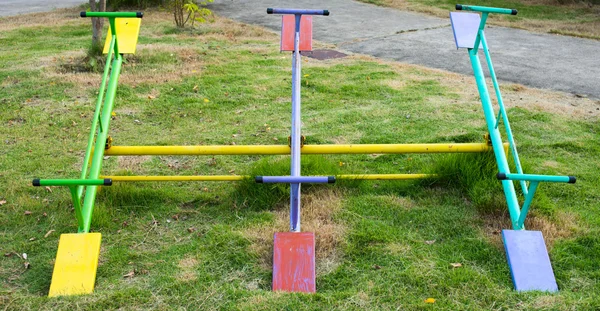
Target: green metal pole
[77,206]
[90,195]
[95,118]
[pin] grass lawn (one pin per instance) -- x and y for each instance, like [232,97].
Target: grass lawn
[576,19]
[380,245]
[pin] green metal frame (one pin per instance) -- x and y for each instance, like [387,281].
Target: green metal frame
[90,172]
[517,213]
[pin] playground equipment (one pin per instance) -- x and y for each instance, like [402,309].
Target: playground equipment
[526,251]
[293,256]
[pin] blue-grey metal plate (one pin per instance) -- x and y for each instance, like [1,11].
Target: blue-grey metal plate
[465,27]
[528,261]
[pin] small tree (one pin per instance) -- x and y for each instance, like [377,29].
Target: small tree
[97,24]
[185,11]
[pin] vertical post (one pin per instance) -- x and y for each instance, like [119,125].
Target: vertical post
[490,117]
[90,195]
[296,130]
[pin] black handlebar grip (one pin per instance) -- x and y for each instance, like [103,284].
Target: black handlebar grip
[107,182]
[36,182]
[459,7]
[139,14]
[513,12]
[326,12]
[258,179]
[572,179]
[501,176]
[331,179]
[83,14]
[269,10]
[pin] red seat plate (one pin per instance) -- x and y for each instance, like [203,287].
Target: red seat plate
[288,28]
[294,262]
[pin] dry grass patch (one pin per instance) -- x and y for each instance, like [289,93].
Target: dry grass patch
[563,226]
[187,267]
[132,163]
[318,208]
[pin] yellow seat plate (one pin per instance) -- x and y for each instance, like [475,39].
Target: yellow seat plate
[128,30]
[76,264]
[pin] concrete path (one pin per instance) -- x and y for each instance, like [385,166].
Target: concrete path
[16,7]
[539,60]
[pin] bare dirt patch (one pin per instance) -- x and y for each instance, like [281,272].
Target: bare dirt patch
[564,226]
[318,209]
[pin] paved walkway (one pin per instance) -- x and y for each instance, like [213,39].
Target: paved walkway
[16,7]
[539,60]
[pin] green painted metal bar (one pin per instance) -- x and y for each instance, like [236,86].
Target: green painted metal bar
[96,117]
[538,178]
[113,30]
[490,117]
[509,134]
[90,195]
[485,9]
[112,14]
[72,182]
[527,203]
[77,206]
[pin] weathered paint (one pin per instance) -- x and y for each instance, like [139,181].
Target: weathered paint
[287,33]
[294,262]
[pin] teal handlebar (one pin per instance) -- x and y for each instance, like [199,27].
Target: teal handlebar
[112,14]
[538,178]
[485,9]
[72,182]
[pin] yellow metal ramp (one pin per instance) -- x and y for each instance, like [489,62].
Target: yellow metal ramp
[76,263]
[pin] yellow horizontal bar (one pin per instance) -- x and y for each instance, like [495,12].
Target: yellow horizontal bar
[179,178]
[386,176]
[307,149]
[239,177]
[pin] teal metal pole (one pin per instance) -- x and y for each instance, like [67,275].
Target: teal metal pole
[509,135]
[90,195]
[534,177]
[95,118]
[527,203]
[485,9]
[490,117]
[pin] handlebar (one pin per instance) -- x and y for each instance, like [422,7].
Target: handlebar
[298,11]
[485,9]
[112,14]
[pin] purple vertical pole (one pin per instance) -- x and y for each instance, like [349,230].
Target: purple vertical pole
[296,126]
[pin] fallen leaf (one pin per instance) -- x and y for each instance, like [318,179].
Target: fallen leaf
[24,256]
[27,265]
[429,242]
[48,189]
[306,76]
[456,265]
[31,239]
[114,114]
[2,202]
[376,267]
[206,100]
[48,233]
[7,254]
[430,300]
[129,275]
[191,229]
[151,97]
[27,213]
[45,215]
[175,217]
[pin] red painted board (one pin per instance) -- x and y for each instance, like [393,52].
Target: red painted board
[288,29]
[294,262]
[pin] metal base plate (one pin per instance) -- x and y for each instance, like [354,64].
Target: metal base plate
[294,262]
[76,264]
[528,261]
